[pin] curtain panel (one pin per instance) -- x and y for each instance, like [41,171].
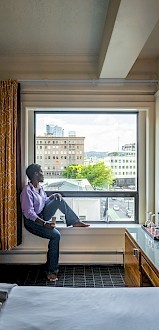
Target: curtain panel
[8,164]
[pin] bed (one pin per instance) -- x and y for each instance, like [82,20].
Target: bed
[65,308]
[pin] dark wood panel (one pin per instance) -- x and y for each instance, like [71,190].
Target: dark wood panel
[132,263]
[150,273]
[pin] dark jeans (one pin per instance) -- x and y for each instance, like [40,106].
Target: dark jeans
[51,233]
[54,205]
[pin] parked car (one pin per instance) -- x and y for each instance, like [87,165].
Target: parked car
[116,208]
[129,213]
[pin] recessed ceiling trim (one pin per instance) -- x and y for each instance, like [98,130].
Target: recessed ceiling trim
[99,81]
[134,23]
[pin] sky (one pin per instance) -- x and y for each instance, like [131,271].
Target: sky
[102,132]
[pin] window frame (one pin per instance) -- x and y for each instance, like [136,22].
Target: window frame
[99,95]
[100,194]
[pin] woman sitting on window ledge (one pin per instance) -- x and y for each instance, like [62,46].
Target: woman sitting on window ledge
[38,209]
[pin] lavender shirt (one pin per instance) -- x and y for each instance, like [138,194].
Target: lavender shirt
[33,202]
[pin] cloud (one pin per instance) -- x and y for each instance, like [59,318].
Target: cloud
[102,132]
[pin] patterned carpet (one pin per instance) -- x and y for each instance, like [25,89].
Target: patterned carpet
[69,276]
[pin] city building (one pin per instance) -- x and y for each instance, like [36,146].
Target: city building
[54,154]
[54,130]
[129,147]
[124,165]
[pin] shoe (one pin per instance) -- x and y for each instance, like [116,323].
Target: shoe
[52,277]
[80,224]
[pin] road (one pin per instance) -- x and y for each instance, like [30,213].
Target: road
[124,204]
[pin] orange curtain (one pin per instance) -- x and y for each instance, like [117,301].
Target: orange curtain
[8,194]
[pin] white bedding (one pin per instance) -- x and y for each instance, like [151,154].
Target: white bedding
[52,308]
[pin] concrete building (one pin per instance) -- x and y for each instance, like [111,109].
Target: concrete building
[54,154]
[54,130]
[124,165]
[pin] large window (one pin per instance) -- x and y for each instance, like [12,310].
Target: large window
[90,157]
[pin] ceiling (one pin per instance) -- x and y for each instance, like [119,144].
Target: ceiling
[79,39]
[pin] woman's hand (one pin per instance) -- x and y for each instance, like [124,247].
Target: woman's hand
[56,196]
[49,224]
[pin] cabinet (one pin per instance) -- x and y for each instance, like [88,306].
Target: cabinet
[140,270]
[132,262]
[149,272]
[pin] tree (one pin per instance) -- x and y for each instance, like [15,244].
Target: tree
[73,171]
[99,175]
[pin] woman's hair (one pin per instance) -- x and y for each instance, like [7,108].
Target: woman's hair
[32,169]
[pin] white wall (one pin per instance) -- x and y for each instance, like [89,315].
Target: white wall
[91,242]
[89,96]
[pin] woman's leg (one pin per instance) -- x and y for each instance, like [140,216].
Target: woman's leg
[50,209]
[53,247]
